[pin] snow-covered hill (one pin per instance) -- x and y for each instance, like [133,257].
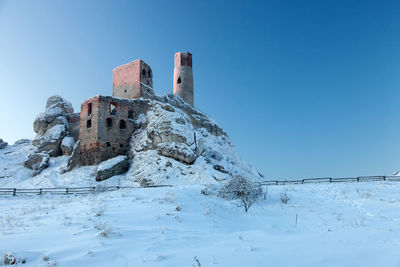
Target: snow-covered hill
[173,144]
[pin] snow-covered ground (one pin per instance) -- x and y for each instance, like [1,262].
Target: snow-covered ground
[337,225]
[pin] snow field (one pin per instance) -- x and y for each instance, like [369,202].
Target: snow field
[337,225]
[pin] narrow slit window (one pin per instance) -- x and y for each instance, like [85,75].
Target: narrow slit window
[108,144]
[179,80]
[89,109]
[122,124]
[130,114]
[109,123]
[88,123]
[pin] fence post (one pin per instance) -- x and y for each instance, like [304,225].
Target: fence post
[358,179]
[66,190]
[330,179]
[40,191]
[14,191]
[384,178]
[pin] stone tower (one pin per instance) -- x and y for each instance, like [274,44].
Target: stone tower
[183,77]
[132,80]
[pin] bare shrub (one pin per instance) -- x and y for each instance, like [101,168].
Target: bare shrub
[242,189]
[284,197]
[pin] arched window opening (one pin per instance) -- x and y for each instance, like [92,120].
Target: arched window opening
[109,122]
[130,114]
[122,124]
[179,80]
[89,109]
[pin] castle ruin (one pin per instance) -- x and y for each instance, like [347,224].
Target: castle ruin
[107,122]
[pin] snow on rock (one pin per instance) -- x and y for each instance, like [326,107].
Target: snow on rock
[178,151]
[112,167]
[67,145]
[52,126]
[2,144]
[170,149]
[50,141]
[58,101]
[37,162]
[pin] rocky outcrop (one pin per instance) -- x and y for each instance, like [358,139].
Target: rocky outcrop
[74,160]
[52,127]
[177,151]
[50,142]
[112,167]
[37,162]
[58,101]
[2,144]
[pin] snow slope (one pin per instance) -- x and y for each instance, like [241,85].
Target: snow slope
[337,225]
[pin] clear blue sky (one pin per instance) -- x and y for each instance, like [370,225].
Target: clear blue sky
[303,88]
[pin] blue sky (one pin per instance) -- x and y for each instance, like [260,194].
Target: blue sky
[303,88]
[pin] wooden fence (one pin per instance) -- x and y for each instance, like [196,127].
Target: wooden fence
[91,190]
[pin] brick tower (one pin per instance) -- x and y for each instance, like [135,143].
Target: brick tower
[183,77]
[132,80]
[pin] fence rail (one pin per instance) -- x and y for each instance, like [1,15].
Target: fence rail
[93,189]
[334,180]
[69,190]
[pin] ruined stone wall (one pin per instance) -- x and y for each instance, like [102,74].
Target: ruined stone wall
[132,80]
[183,77]
[115,121]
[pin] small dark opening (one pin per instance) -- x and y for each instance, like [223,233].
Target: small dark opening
[143,72]
[89,109]
[109,122]
[108,144]
[179,80]
[149,73]
[122,124]
[88,123]
[130,114]
[121,145]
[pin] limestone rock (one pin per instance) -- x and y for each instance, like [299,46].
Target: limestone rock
[58,101]
[220,168]
[112,167]
[168,107]
[67,145]
[75,159]
[37,162]
[178,151]
[51,117]
[50,141]
[2,144]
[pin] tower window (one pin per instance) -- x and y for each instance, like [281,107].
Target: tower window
[122,124]
[130,114]
[143,72]
[112,109]
[109,122]
[89,109]
[88,123]
[108,144]
[179,80]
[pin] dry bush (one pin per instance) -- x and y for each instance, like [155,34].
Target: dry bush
[242,189]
